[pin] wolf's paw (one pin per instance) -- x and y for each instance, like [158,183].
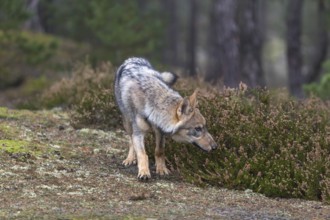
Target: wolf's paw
[129,161]
[144,175]
[162,170]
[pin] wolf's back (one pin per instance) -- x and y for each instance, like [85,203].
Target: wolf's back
[139,65]
[131,64]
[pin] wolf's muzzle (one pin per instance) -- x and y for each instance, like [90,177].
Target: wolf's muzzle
[212,147]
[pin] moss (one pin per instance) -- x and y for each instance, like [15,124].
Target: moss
[14,146]
[6,113]
[25,151]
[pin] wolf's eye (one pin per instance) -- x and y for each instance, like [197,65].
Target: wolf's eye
[198,129]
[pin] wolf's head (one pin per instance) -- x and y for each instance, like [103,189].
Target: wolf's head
[192,125]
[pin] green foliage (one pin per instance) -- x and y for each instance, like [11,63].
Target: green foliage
[272,145]
[36,85]
[321,89]
[22,53]
[12,14]
[116,30]
[123,29]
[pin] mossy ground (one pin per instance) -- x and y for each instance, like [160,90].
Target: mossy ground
[13,146]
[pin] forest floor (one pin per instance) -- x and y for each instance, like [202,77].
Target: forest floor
[49,170]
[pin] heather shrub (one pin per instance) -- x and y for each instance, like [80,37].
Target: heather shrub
[88,93]
[270,144]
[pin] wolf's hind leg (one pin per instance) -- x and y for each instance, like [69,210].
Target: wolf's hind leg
[131,157]
[161,168]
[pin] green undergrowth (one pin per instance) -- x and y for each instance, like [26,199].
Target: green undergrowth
[322,88]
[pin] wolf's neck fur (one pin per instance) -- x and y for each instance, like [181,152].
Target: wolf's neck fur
[164,119]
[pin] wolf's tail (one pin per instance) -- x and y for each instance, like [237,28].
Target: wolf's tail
[168,78]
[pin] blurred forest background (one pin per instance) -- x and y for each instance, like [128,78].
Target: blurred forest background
[274,43]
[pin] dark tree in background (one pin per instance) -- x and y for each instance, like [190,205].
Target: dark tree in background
[321,45]
[172,33]
[251,41]
[33,23]
[293,39]
[225,45]
[191,39]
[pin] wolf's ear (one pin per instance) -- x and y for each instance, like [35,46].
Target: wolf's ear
[193,99]
[184,108]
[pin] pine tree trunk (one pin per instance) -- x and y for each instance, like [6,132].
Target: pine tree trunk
[225,44]
[321,44]
[34,21]
[192,39]
[294,56]
[172,33]
[251,44]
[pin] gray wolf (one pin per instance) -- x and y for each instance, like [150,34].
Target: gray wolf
[147,101]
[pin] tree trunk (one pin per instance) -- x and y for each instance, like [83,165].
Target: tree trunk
[251,44]
[294,56]
[34,21]
[172,37]
[225,48]
[192,39]
[321,46]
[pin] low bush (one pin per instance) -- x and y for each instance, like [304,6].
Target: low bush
[89,94]
[273,145]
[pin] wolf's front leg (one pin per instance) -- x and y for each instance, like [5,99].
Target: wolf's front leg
[161,168]
[142,157]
